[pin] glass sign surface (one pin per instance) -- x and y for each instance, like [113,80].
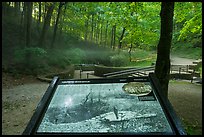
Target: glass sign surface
[104,108]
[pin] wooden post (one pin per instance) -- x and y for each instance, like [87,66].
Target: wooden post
[80,72]
[179,70]
[187,68]
[192,75]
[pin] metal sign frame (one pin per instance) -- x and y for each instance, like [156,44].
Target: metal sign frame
[168,110]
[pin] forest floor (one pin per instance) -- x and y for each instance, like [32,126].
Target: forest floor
[20,97]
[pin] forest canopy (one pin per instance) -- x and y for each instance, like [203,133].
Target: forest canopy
[48,26]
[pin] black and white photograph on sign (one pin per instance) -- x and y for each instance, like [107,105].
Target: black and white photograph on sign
[109,107]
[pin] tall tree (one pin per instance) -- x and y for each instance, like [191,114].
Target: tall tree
[106,33]
[92,26]
[46,24]
[29,23]
[62,20]
[29,7]
[39,15]
[101,34]
[162,68]
[17,8]
[114,36]
[86,28]
[121,38]
[56,24]
[25,13]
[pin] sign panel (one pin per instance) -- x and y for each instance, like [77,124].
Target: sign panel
[128,106]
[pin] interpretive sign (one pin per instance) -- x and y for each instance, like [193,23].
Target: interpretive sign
[104,106]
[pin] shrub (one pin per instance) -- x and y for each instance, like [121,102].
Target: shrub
[30,59]
[58,58]
[119,60]
[76,55]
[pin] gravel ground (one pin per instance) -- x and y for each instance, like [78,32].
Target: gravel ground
[186,98]
[18,105]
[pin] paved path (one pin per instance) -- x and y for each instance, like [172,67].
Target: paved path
[181,61]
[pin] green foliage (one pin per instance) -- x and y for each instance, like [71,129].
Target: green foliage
[143,63]
[76,55]
[140,19]
[188,22]
[192,27]
[98,56]
[200,70]
[36,54]
[57,59]
[119,60]
[187,52]
[31,59]
[192,128]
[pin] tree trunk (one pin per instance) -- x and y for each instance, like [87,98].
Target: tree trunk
[17,8]
[25,12]
[162,68]
[29,7]
[39,15]
[101,35]
[21,20]
[4,8]
[46,24]
[56,24]
[130,50]
[29,23]
[112,33]
[121,38]
[45,10]
[106,33]
[114,36]
[62,20]
[92,26]
[86,28]
[96,31]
